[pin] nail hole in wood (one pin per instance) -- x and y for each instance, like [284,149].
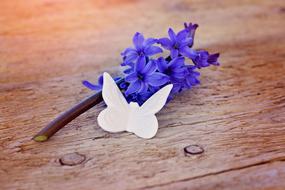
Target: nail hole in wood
[72,159]
[193,150]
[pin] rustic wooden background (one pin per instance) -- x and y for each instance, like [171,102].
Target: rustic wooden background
[237,115]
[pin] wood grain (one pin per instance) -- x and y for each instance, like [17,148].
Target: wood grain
[237,114]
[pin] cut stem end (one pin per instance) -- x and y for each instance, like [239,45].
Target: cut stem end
[40,138]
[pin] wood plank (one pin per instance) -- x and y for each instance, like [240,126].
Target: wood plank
[237,115]
[261,176]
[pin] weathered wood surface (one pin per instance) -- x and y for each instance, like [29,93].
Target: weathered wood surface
[237,115]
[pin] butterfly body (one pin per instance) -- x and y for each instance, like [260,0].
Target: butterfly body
[123,116]
[133,111]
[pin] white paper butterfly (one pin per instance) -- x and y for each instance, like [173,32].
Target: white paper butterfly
[121,116]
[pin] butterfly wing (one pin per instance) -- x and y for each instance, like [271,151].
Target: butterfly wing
[112,95]
[144,126]
[144,123]
[115,117]
[156,102]
[112,120]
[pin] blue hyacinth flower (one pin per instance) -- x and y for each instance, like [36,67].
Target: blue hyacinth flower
[142,49]
[191,29]
[143,76]
[178,44]
[204,59]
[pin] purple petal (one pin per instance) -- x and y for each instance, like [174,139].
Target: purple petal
[191,28]
[191,81]
[188,52]
[133,87]
[177,87]
[123,64]
[179,75]
[128,51]
[201,59]
[186,42]
[153,89]
[149,42]
[161,64]
[131,77]
[182,35]
[91,86]
[131,57]
[143,97]
[128,71]
[115,79]
[172,35]
[191,67]
[174,53]
[100,80]
[149,68]
[138,40]
[196,74]
[179,69]
[152,50]
[213,59]
[143,88]
[156,79]
[140,64]
[176,63]
[166,43]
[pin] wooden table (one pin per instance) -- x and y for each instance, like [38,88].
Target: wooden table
[237,114]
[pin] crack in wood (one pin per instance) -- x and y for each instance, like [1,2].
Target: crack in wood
[279,159]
